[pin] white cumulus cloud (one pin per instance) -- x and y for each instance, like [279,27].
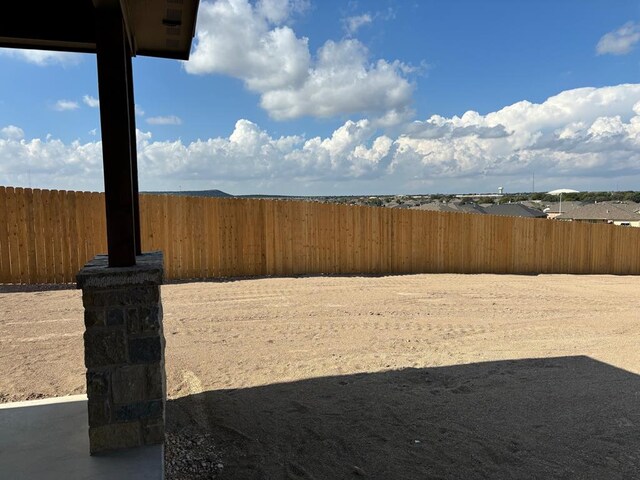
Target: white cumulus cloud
[238,39]
[42,58]
[164,120]
[52,163]
[65,105]
[343,81]
[620,41]
[11,132]
[353,24]
[91,101]
[583,132]
[277,11]
[584,135]
[254,43]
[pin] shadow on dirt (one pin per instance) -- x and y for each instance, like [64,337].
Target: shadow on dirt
[554,418]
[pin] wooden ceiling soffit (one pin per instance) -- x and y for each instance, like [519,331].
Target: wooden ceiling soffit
[157,28]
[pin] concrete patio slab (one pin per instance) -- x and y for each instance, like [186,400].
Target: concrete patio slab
[48,439]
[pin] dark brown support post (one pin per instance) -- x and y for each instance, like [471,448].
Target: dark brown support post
[134,154]
[112,53]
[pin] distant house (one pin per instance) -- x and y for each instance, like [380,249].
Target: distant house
[436,207]
[450,207]
[515,210]
[554,209]
[632,207]
[537,204]
[469,208]
[607,212]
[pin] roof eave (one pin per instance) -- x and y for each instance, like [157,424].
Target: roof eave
[36,44]
[45,25]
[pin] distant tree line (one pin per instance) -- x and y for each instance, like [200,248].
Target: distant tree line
[409,200]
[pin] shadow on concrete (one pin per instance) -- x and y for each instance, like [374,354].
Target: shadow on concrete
[554,418]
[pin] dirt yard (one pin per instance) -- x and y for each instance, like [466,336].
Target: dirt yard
[400,377]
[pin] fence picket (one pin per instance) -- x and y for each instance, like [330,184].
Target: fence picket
[5,258]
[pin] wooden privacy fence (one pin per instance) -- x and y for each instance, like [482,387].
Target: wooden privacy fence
[46,236]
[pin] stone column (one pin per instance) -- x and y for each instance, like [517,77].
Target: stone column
[124,352]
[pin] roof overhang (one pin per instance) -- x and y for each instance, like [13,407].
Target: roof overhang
[156,28]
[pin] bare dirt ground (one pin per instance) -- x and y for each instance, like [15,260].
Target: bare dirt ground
[400,377]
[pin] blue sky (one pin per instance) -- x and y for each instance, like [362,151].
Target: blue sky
[359,97]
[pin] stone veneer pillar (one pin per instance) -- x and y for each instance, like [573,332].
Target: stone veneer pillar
[124,352]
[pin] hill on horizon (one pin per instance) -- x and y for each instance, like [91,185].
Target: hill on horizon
[217,194]
[196,193]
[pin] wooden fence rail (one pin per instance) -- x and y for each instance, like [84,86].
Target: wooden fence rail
[46,236]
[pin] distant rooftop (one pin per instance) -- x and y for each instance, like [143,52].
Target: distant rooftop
[600,211]
[436,207]
[629,206]
[469,208]
[514,210]
[563,207]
